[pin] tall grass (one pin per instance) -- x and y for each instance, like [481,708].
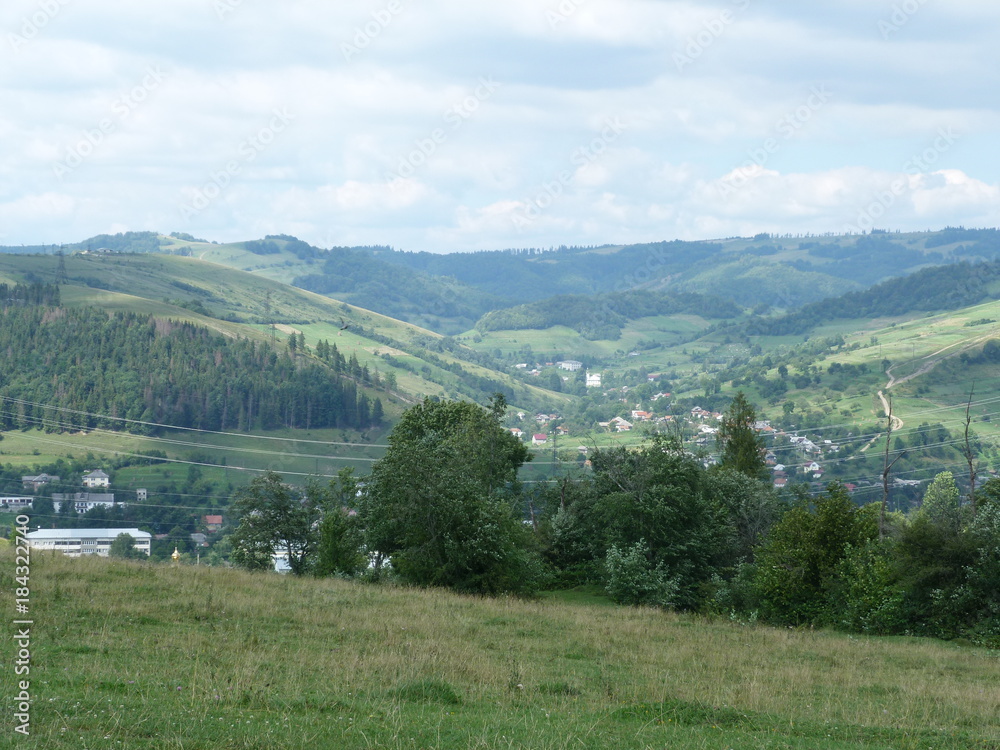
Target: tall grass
[140,656]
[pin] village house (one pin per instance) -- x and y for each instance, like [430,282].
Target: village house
[517,432]
[642,416]
[94,479]
[593,380]
[620,425]
[33,484]
[812,468]
[570,365]
[16,503]
[804,444]
[212,523]
[84,501]
[539,439]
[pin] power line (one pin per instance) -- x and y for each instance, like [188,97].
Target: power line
[189,444]
[161,425]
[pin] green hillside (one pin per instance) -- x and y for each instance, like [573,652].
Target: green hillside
[140,656]
[391,361]
[700,355]
[218,297]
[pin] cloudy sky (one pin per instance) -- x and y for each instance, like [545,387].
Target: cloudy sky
[446,125]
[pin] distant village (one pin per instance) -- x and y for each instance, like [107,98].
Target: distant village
[91,541]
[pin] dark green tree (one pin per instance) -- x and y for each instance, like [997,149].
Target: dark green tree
[796,568]
[340,543]
[123,548]
[748,508]
[274,519]
[740,445]
[442,503]
[652,503]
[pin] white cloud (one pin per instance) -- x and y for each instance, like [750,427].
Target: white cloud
[358,123]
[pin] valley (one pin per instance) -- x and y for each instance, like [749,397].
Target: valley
[810,370]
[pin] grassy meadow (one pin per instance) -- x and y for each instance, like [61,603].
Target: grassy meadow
[131,655]
[222,457]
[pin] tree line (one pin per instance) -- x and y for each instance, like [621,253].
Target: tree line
[603,316]
[939,288]
[653,525]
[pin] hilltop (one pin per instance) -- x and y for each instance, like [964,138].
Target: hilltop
[449,293]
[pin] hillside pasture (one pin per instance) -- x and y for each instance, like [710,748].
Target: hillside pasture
[138,656]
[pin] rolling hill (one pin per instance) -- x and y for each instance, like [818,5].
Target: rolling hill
[449,293]
[701,350]
[392,361]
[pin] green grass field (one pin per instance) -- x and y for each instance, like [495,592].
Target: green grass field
[131,655]
[296,454]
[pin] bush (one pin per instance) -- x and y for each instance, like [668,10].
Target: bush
[631,578]
[866,597]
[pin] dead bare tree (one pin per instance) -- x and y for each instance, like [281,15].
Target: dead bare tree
[887,467]
[969,456]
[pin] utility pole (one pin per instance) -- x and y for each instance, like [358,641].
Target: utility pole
[61,268]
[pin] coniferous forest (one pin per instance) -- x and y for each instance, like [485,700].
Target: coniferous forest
[98,369]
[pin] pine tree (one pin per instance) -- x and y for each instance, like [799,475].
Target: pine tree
[740,445]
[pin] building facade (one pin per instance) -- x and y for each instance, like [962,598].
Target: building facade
[78,542]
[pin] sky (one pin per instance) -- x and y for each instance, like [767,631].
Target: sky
[456,125]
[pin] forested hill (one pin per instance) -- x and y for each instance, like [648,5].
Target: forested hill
[528,275]
[940,288]
[356,276]
[602,316]
[139,367]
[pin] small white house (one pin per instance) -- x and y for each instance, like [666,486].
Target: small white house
[96,479]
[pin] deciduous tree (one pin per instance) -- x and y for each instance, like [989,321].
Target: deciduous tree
[442,503]
[274,519]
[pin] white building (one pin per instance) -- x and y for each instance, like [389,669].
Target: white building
[77,542]
[593,380]
[96,479]
[84,501]
[570,364]
[16,502]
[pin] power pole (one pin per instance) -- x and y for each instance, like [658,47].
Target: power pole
[61,268]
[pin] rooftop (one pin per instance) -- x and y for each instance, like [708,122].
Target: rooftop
[86,534]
